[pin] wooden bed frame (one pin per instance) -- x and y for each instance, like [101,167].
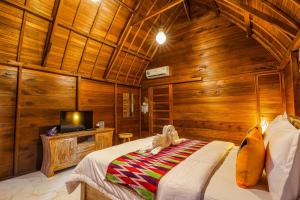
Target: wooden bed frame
[89,193]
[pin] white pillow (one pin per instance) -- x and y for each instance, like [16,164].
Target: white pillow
[272,127]
[282,159]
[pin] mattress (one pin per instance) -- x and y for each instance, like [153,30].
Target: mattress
[219,186]
[222,185]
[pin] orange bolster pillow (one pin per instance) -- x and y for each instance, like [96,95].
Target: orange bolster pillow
[250,159]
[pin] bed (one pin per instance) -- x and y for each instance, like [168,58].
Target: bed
[218,180]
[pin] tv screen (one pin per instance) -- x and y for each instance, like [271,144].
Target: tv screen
[75,121]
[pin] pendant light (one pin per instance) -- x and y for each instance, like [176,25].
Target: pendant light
[161,36]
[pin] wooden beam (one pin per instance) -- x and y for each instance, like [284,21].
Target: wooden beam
[133,39]
[260,39]
[140,47]
[270,35]
[297,2]
[27,9]
[171,104]
[21,36]
[293,46]
[296,43]
[162,10]
[12,63]
[106,34]
[248,24]
[186,5]
[166,82]
[233,19]
[101,40]
[156,48]
[116,113]
[70,35]
[78,94]
[173,19]
[121,42]
[140,113]
[215,7]
[137,54]
[203,3]
[267,44]
[17,121]
[90,32]
[51,30]
[281,13]
[285,28]
[124,5]
[150,110]
[138,72]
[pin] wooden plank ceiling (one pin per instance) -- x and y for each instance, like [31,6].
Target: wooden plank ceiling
[97,39]
[275,24]
[115,39]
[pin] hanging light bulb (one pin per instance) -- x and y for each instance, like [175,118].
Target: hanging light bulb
[161,37]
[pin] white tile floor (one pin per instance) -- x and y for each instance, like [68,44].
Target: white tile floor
[36,186]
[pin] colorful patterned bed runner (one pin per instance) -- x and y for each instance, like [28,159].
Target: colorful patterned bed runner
[143,171]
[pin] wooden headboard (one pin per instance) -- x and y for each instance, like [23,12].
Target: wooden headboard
[295,121]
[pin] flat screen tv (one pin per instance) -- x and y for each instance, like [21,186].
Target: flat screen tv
[75,121]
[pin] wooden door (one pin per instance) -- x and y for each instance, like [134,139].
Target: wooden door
[160,107]
[65,151]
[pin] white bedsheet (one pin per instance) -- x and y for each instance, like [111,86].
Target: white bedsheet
[185,181]
[222,185]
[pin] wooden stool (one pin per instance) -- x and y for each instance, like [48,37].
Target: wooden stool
[126,137]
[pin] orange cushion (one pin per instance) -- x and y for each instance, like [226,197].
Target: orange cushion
[250,159]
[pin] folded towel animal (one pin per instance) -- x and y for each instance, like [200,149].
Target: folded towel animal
[164,140]
[170,130]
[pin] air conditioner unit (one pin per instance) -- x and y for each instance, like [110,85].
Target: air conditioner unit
[158,72]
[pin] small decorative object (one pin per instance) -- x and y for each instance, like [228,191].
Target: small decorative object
[52,131]
[100,124]
[128,105]
[144,107]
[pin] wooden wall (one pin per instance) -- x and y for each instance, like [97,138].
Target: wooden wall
[210,48]
[99,97]
[222,109]
[31,103]
[42,98]
[8,89]
[128,124]
[292,85]
[223,82]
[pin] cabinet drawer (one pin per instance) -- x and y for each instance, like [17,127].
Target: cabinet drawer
[86,146]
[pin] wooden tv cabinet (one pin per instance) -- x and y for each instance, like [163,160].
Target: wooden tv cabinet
[68,149]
